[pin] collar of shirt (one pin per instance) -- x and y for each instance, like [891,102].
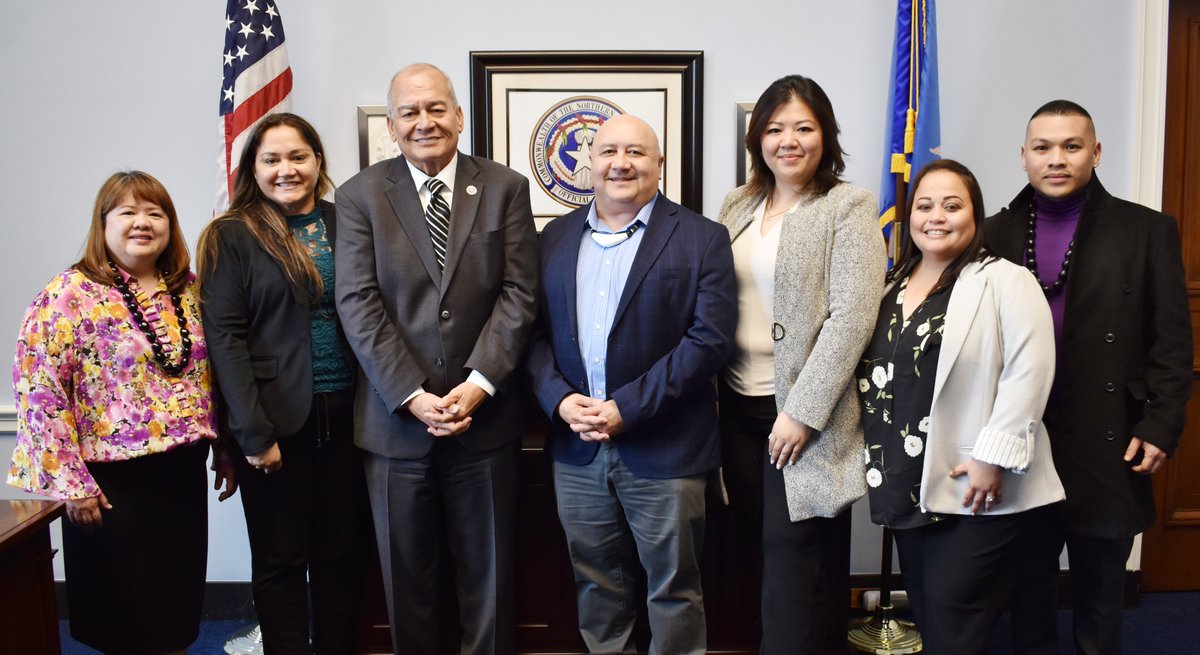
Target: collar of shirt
[132,281]
[643,215]
[446,175]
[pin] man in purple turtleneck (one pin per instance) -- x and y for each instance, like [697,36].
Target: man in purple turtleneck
[1113,274]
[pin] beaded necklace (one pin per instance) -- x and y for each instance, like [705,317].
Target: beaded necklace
[157,336]
[1031,255]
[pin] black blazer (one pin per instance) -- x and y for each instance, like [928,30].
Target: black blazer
[1125,363]
[258,330]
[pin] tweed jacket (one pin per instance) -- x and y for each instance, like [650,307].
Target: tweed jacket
[993,377]
[829,272]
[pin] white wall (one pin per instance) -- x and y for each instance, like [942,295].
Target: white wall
[92,87]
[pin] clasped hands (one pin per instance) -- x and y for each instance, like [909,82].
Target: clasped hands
[450,414]
[591,418]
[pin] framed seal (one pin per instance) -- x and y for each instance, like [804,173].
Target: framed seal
[536,112]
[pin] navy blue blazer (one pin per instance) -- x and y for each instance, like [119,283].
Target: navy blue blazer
[673,331]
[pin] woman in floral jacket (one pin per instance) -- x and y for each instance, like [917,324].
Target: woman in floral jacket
[114,417]
[953,385]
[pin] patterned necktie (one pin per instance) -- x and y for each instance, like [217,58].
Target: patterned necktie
[437,216]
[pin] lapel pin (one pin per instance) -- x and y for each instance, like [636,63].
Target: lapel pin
[471,190]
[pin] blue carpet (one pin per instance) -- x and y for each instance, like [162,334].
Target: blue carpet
[211,641]
[1164,624]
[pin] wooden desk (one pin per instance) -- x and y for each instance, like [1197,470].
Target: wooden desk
[28,610]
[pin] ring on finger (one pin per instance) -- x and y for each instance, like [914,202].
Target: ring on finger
[990,498]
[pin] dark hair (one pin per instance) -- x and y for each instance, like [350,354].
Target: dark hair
[174,262]
[1061,108]
[261,215]
[977,249]
[781,92]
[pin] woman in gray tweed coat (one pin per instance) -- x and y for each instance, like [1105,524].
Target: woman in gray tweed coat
[810,264]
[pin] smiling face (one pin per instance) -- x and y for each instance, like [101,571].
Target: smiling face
[626,165]
[286,170]
[424,119]
[136,233]
[792,144]
[1059,154]
[942,223]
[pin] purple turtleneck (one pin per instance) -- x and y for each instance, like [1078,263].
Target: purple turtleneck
[1056,222]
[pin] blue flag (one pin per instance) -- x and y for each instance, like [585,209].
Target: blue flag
[913,131]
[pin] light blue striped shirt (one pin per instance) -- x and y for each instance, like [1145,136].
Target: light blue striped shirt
[599,280]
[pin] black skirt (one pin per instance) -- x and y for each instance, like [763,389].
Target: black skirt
[135,585]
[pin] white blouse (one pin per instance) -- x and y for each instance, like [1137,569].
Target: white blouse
[751,369]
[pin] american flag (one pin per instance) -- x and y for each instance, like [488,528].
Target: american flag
[257,80]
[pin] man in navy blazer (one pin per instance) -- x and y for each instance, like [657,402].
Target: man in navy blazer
[436,288]
[639,307]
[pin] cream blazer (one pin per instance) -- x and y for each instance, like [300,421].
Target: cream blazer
[993,378]
[829,272]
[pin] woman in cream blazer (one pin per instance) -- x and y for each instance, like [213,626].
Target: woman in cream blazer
[953,384]
[809,259]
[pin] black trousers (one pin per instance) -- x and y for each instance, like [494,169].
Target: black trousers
[309,534]
[805,565]
[961,573]
[1097,568]
[1097,592]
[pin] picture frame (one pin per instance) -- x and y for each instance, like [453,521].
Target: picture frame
[374,142]
[744,110]
[533,111]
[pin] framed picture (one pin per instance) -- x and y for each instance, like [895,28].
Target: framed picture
[744,109]
[537,112]
[374,142]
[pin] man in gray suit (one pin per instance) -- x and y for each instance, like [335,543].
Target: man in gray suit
[436,287]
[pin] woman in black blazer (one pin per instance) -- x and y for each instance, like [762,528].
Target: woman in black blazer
[286,378]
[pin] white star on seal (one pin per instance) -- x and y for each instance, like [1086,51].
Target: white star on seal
[582,154]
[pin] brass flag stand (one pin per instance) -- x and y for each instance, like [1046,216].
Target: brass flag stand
[884,634]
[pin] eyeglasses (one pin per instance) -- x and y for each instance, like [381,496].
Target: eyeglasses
[610,239]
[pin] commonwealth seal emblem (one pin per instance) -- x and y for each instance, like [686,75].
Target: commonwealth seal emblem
[559,151]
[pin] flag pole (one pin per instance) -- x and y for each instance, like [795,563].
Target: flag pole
[883,633]
[900,217]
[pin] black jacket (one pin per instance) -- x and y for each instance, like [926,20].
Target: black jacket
[1125,362]
[259,339]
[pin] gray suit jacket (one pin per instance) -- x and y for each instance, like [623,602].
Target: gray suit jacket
[410,324]
[828,276]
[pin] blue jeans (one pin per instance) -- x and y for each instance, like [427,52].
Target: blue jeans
[613,519]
